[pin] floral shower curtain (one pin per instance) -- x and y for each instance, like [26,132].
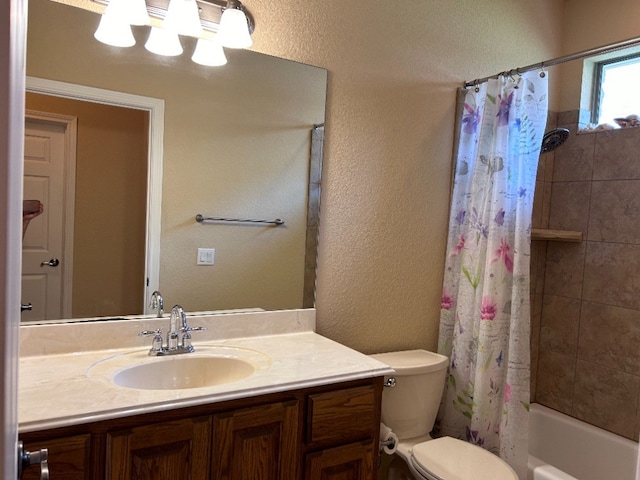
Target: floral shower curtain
[485,311]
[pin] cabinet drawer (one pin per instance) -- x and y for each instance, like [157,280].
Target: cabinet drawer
[354,461]
[341,415]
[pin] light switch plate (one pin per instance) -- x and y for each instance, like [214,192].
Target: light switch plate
[206,256]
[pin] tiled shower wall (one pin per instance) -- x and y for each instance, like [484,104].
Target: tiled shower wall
[586,296]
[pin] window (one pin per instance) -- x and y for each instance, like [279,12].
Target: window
[617,89]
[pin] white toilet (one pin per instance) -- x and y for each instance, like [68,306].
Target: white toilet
[410,408]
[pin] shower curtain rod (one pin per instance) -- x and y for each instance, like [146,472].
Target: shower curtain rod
[565,58]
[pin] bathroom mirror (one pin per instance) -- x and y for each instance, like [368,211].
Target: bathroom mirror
[237,143]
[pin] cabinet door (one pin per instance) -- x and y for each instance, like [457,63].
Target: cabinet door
[67,458]
[341,416]
[172,450]
[257,443]
[349,462]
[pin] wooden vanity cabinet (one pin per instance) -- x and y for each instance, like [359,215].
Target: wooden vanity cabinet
[328,432]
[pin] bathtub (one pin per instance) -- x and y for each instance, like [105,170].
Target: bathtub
[563,448]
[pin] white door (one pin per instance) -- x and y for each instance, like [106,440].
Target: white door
[45,263]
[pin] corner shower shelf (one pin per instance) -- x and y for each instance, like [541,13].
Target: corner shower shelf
[556,235]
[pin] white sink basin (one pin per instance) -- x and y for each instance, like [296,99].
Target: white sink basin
[209,366]
[172,373]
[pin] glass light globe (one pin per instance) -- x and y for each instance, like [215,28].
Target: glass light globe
[183,18]
[163,42]
[114,31]
[133,12]
[234,29]
[209,53]
[138,14]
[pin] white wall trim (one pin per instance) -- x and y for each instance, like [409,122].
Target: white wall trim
[155,107]
[13,42]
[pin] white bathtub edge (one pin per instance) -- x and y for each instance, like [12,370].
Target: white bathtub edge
[532,464]
[569,445]
[540,470]
[549,472]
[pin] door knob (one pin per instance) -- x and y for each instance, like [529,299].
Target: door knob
[26,459]
[24,307]
[54,262]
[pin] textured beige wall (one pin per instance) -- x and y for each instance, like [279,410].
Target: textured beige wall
[590,24]
[393,71]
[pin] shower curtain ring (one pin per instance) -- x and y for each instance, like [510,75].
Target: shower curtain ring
[513,79]
[542,72]
[477,87]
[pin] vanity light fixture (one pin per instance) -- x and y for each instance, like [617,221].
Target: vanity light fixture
[234,26]
[215,23]
[115,25]
[183,18]
[114,32]
[163,42]
[209,52]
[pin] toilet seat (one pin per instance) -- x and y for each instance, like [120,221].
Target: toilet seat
[447,458]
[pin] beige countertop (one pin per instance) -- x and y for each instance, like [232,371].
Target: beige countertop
[71,385]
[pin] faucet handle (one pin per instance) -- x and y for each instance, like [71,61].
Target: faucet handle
[156,344]
[193,329]
[146,333]
[186,336]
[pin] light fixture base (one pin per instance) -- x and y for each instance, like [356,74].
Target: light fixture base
[210,11]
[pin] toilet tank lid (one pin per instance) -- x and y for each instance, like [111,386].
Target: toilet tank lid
[412,362]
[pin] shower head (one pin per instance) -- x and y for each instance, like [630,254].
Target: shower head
[553,139]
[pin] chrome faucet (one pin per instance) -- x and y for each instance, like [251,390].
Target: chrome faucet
[157,303]
[175,344]
[173,335]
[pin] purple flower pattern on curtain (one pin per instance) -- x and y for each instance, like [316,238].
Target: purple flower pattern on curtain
[485,310]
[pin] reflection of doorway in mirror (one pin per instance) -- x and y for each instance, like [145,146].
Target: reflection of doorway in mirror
[109,218]
[49,165]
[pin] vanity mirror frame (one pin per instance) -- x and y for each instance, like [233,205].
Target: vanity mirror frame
[155,108]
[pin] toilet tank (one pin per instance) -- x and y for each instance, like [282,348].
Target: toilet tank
[410,408]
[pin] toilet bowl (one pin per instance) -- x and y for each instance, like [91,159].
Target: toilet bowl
[410,408]
[451,459]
